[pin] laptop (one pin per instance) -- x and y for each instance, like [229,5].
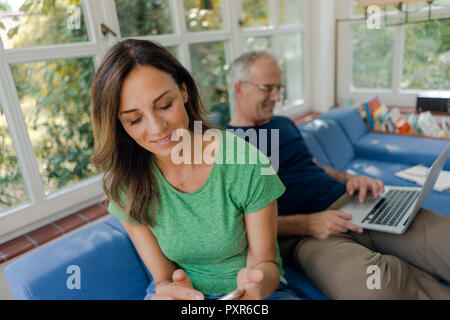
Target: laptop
[395,209]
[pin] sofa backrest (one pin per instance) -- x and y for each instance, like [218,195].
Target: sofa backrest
[350,122]
[95,263]
[314,147]
[333,142]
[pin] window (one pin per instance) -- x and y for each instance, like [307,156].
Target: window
[12,188]
[397,61]
[54,97]
[429,67]
[279,29]
[372,54]
[49,53]
[47,66]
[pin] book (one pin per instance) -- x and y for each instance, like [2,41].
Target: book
[419,173]
[370,107]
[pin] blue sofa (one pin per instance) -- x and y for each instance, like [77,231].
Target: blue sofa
[109,267]
[340,139]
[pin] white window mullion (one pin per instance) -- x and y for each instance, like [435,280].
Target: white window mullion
[105,12]
[397,68]
[19,135]
[274,19]
[237,35]
[45,53]
[273,13]
[185,57]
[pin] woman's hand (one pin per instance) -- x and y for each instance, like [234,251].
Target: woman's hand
[250,280]
[180,288]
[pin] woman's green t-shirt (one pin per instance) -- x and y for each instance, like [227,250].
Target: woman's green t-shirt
[204,232]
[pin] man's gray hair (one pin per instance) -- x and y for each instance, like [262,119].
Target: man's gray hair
[239,70]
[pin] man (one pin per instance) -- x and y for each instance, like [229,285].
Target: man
[338,256]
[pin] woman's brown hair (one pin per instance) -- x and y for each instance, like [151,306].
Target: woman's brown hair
[127,165]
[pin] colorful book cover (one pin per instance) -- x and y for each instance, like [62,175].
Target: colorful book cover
[369,117]
[370,106]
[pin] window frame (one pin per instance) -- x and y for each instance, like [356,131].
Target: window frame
[395,96]
[42,209]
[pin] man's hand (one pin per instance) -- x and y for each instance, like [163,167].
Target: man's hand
[323,224]
[363,184]
[180,288]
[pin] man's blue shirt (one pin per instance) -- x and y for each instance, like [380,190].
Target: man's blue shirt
[309,188]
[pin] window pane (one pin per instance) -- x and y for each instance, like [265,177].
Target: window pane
[441,3]
[258,43]
[207,16]
[372,56]
[54,96]
[143,18]
[292,67]
[174,51]
[12,188]
[26,23]
[290,12]
[254,13]
[208,61]
[427,56]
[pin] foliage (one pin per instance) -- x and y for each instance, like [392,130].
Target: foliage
[202,19]
[140,17]
[372,56]
[427,56]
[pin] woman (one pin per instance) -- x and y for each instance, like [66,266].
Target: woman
[202,228]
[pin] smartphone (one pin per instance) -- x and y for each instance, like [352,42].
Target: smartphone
[233,295]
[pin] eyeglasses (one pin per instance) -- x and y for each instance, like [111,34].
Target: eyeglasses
[268,88]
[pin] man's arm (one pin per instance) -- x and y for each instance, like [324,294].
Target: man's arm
[340,176]
[319,225]
[354,182]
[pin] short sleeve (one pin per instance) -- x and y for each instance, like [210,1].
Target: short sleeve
[264,186]
[115,211]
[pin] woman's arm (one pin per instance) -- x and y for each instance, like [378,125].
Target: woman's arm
[170,283]
[261,276]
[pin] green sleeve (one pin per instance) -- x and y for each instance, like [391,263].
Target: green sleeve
[115,211]
[264,185]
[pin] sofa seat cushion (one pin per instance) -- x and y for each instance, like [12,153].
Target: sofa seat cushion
[385,171]
[109,268]
[401,149]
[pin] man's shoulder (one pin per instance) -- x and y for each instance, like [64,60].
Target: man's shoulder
[280,121]
[276,122]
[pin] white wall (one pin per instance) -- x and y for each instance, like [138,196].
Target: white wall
[322,53]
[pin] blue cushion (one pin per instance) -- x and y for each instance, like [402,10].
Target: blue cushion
[333,141]
[109,268]
[314,147]
[115,223]
[301,285]
[350,121]
[401,149]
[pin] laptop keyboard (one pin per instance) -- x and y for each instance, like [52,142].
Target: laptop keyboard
[391,208]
